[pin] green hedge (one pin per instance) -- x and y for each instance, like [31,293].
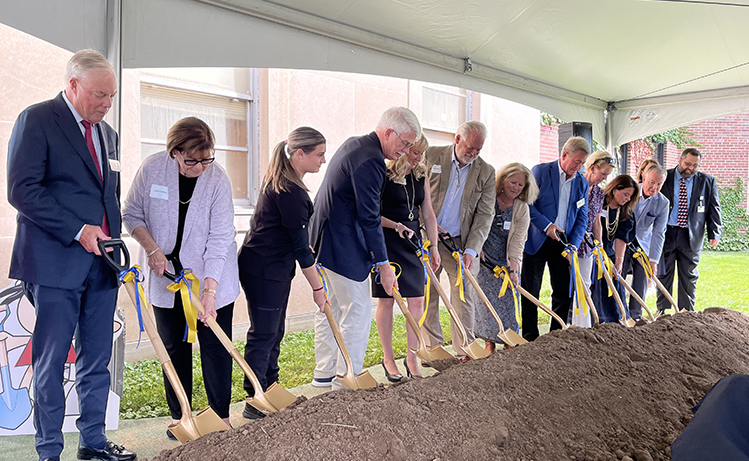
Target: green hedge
[735,236]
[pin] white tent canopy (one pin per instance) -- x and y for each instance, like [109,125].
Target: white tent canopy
[631,67]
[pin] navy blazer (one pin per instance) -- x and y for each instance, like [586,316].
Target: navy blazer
[54,184]
[345,229]
[705,195]
[544,209]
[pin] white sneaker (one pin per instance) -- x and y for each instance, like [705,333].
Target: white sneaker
[322,382]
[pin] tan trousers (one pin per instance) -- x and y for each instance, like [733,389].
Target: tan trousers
[463,309]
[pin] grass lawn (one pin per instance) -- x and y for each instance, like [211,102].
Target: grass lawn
[724,282]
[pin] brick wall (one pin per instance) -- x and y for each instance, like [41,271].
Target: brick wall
[549,145]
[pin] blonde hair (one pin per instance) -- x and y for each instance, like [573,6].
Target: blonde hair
[623,181]
[280,171]
[598,158]
[644,167]
[397,169]
[530,191]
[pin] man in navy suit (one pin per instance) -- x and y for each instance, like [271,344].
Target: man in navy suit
[695,205]
[346,233]
[561,206]
[64,180]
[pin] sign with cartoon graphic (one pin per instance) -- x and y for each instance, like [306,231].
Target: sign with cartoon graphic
[17,319]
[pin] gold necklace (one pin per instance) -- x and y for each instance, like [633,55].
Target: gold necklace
[612,227]
[412,202]
[185,203]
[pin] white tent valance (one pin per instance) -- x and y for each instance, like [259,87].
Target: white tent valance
[649,65]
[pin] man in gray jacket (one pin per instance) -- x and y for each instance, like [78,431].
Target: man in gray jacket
[651,215]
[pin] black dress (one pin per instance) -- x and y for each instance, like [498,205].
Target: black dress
[608,310]
[399,203]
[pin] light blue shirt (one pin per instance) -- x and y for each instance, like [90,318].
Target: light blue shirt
[674,216]
[565,186]
[449,216]
[94,136]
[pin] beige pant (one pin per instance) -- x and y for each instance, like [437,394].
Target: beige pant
[463,309]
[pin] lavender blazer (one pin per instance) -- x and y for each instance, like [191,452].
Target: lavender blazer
[208,248]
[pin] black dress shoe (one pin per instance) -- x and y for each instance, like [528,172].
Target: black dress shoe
[408,371]
[170,435]
[251,412]
[392,378]
[110,452]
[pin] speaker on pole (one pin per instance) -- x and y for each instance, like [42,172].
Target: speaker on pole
[582,129]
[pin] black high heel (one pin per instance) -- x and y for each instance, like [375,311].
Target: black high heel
[408,371]
[392,378]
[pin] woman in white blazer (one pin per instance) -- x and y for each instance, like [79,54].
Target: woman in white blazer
[179,209]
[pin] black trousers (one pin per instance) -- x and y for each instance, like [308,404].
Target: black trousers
[533,273]
[266,304]
[677,252]
[215,359]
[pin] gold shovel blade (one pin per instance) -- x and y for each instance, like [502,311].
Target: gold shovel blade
[438,353]
[364,381]
[275,398]
[474,351]
[191,428]
[512,339]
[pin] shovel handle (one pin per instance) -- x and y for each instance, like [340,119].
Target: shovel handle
[409,319]
[108,255]
[448,305]
[153,334]
[637,297]
[339,340]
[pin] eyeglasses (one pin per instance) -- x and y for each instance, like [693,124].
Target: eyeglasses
[406,145]
[608,160]
[193,162]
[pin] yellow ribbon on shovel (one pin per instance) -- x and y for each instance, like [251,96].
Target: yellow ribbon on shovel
[576,283]
[188,286]
[134,275]
[424,253]
[507,281]
[640,253]
[605,261]
[459,282]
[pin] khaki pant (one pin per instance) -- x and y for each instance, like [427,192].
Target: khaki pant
[463,309]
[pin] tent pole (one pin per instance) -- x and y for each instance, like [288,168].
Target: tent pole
[114,56]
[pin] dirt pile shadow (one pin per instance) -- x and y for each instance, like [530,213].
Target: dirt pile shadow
[605,393]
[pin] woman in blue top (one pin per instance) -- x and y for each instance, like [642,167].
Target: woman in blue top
[276,241]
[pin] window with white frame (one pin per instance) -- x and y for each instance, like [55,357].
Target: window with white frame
[164,102]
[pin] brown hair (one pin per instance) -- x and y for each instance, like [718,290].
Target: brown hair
[530,191]
[191,136]
[623,181]
[280,171]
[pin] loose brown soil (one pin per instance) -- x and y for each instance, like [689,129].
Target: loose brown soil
[605,393]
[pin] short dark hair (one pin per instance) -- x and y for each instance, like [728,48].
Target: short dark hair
[691,151]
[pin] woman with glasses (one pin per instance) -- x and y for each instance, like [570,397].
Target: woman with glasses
[180,210]
[276,241]
[597,168]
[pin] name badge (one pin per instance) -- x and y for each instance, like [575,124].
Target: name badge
[159,192]
[580,202]
[114,165]
[507,225]
[437,169]
[700,209]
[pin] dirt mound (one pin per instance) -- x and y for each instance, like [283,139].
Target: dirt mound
[605,393]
